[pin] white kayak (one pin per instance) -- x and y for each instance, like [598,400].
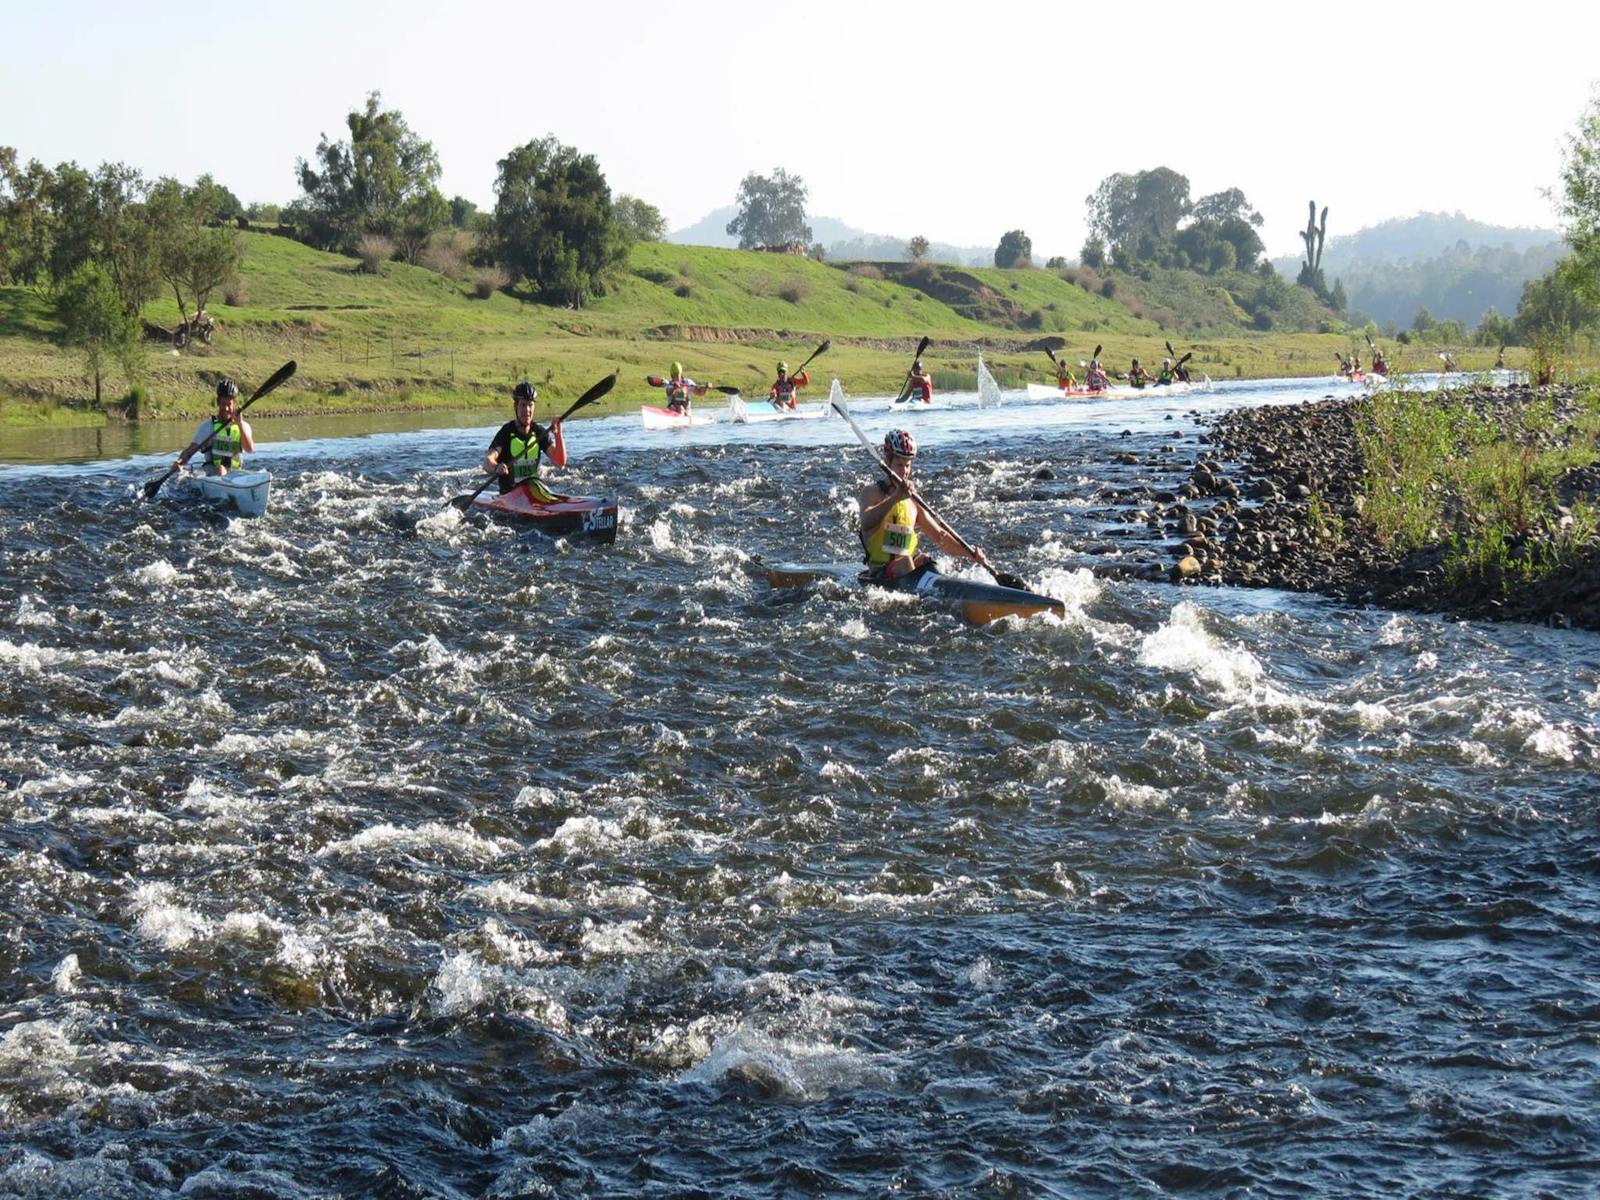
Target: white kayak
[741,413]
[247,491]
[914,405]
[665,418]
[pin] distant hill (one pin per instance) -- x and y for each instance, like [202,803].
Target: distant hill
[840,240]
[1455,267]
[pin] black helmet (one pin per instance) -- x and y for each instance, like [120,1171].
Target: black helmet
[227,389]
[524,391]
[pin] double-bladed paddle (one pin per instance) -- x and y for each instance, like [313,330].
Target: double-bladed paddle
[1003,578]
[278,376]
[464,503]
[906,389]
[725,389]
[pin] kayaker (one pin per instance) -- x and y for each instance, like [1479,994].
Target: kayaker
[1137,375]
[1097,379]
[225,436]
[681,390]
[893,523]
[1064,376]
[1181,371]
[1500,360]
[782,393]
[1166,377]
[514,453]
[919,385]
[1449,361]
[1380,365]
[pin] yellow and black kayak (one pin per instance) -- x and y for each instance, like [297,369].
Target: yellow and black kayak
[976,603]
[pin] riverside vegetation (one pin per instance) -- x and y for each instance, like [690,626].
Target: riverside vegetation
[401,336]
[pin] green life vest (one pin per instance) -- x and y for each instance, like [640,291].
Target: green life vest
[524,456]
[227,445]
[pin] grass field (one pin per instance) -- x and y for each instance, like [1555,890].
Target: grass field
[409,338]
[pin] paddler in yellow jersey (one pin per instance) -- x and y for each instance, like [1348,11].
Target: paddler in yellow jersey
[224,437]
[893,524]
[1065,380]
[514,453]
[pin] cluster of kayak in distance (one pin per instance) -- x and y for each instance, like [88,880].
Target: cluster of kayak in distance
[530,505]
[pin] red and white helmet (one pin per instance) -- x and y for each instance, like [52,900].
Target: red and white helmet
[900,442]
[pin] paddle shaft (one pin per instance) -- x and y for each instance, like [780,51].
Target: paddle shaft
[278,376]
[589,397]
[923,504]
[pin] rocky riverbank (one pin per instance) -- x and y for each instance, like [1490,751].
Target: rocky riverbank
[1275,497]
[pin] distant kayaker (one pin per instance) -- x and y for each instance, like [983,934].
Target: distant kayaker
[681,390]
[1137,375]
[1097,379]
[919,386]
[1167,376]
[1181,371]
[225,437]
[514,453]
[1500,360]
[1449,361]
[1064,377]
[782,393]
[893,523]
[1380,364]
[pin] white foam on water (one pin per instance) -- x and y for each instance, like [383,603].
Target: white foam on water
[287,739]
[31,613]
[1183,644]
[30,659]
[624,939]
[252,928]
[1374,718]
[789,1068]
[660,535]
[1549,741]
[432,839]
[64,979]
[1120,793]
[465,983]
[506,896]
[55,785]
[159,574]
[161,919]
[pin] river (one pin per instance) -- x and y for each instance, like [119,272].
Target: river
[363,850]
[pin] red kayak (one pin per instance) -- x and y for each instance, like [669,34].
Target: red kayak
[559,516]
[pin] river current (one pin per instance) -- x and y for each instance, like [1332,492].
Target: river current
[361,850]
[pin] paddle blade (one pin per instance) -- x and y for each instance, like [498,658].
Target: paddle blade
[727,391]
[462,502]
[154,486]
[655,381]
[589,397]
[922,346]
[1052,355]
[1187,356]
[1171,351]
[279,376]
[1007,579]
[1097,350]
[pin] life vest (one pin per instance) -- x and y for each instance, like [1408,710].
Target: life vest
[525,456]
[226,448]
[896,537]
[678,392]
[783,390]
[1064,378]
[1165,377]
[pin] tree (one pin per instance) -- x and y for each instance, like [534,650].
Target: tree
[193,257]
[641,219]
[918,248]
[27,222]
[772,211]
[554,223]
[1580,202]
[1093,254]
[1556,306]
[1015,250]
[376,182]
[96,321]
[1136,216]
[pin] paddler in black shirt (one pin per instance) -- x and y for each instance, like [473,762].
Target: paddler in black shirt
[514,453]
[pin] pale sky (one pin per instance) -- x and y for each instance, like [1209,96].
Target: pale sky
[958,122]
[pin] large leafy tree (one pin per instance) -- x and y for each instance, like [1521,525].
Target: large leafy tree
[772,211]
[27,221]
[1136,216]
[1015,250]
[641,219]
[1222,233]
[195,256]
[554,223]
[380,181]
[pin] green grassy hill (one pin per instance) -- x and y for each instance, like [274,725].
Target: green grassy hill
[407,337]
